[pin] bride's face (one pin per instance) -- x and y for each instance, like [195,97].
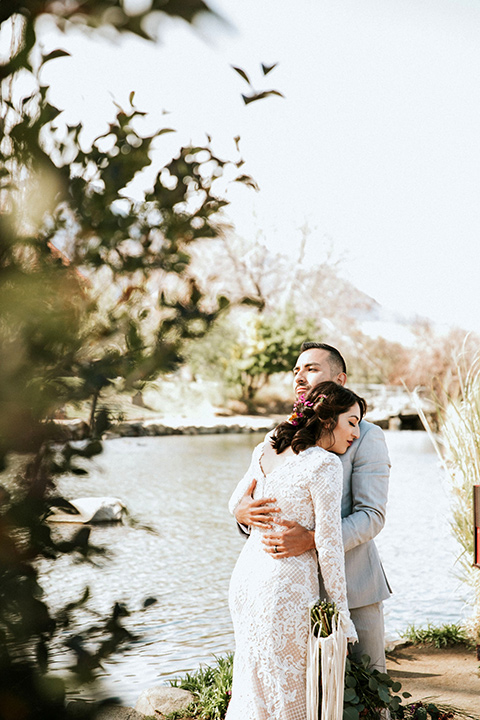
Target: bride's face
[346,431]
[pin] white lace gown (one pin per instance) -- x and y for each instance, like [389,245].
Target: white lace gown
[270,598]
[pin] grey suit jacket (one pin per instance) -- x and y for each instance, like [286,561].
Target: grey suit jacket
[366,468]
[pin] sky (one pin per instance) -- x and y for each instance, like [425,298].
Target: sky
[375,148]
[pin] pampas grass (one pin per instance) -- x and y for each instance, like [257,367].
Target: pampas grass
[458,447]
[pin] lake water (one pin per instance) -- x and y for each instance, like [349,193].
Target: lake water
[180,485]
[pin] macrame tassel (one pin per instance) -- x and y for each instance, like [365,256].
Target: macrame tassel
[313,669]
[333,651]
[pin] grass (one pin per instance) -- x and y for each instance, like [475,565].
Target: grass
[212,688]
[441,636]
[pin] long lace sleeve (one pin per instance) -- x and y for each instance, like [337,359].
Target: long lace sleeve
[242,486]
[326,490]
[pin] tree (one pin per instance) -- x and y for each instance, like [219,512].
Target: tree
[434,363]
[271,346]
[66,220]
[246,348]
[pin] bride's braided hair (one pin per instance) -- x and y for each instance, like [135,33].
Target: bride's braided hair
[314,415]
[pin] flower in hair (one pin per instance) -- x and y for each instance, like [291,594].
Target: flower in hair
[301,404]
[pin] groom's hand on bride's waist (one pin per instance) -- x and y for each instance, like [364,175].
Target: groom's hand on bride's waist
[294,540]
[257,513]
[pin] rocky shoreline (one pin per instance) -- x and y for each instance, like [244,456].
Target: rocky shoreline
[447,676]
[392,410]
[156,427]
[155,702]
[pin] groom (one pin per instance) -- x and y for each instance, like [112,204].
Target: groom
[365,484]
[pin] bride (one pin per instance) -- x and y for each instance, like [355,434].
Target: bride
[270,597]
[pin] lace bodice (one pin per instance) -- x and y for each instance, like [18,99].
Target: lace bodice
[270,598]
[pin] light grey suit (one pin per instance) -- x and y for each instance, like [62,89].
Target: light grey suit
[366,467]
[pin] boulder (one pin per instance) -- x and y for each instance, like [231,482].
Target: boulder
[70,429]
[82,709]
[118,712]
[161,700]
[89,510]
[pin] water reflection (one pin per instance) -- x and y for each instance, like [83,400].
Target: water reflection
[181,486]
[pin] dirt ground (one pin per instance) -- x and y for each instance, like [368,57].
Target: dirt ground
[448,675]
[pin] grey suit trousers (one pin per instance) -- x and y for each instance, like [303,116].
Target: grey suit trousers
[371,634]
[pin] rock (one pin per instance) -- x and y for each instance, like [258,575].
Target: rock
[118,712]
[70,429]
[237,407]
[89,510]
[161,700]
[394,423]
[392,645]
[82,709]
[138,400]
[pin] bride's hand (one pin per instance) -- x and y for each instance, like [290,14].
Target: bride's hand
[252,512]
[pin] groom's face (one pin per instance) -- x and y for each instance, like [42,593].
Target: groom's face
[312,368]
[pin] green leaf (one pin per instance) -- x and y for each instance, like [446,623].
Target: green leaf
[395,703]
[268,68]
[93,448]
[242,74]
[383,677]
[255,302]
[53,55]
[350,695]
[223,302]
[396,686]
[247,180]
[78,471]
[350,713]
[247,99]
[383,693]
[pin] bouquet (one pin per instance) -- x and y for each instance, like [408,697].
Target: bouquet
[326,656]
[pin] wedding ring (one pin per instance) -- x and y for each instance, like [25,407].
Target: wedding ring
[275,550]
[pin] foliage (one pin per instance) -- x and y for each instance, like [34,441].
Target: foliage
[250,347]
[433,363]
[254,94]
[319,294]
[368,691]
[67,227]
[458,448]
[212,687]
[375,360]
[366,687]
[442,636]
[424,710]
